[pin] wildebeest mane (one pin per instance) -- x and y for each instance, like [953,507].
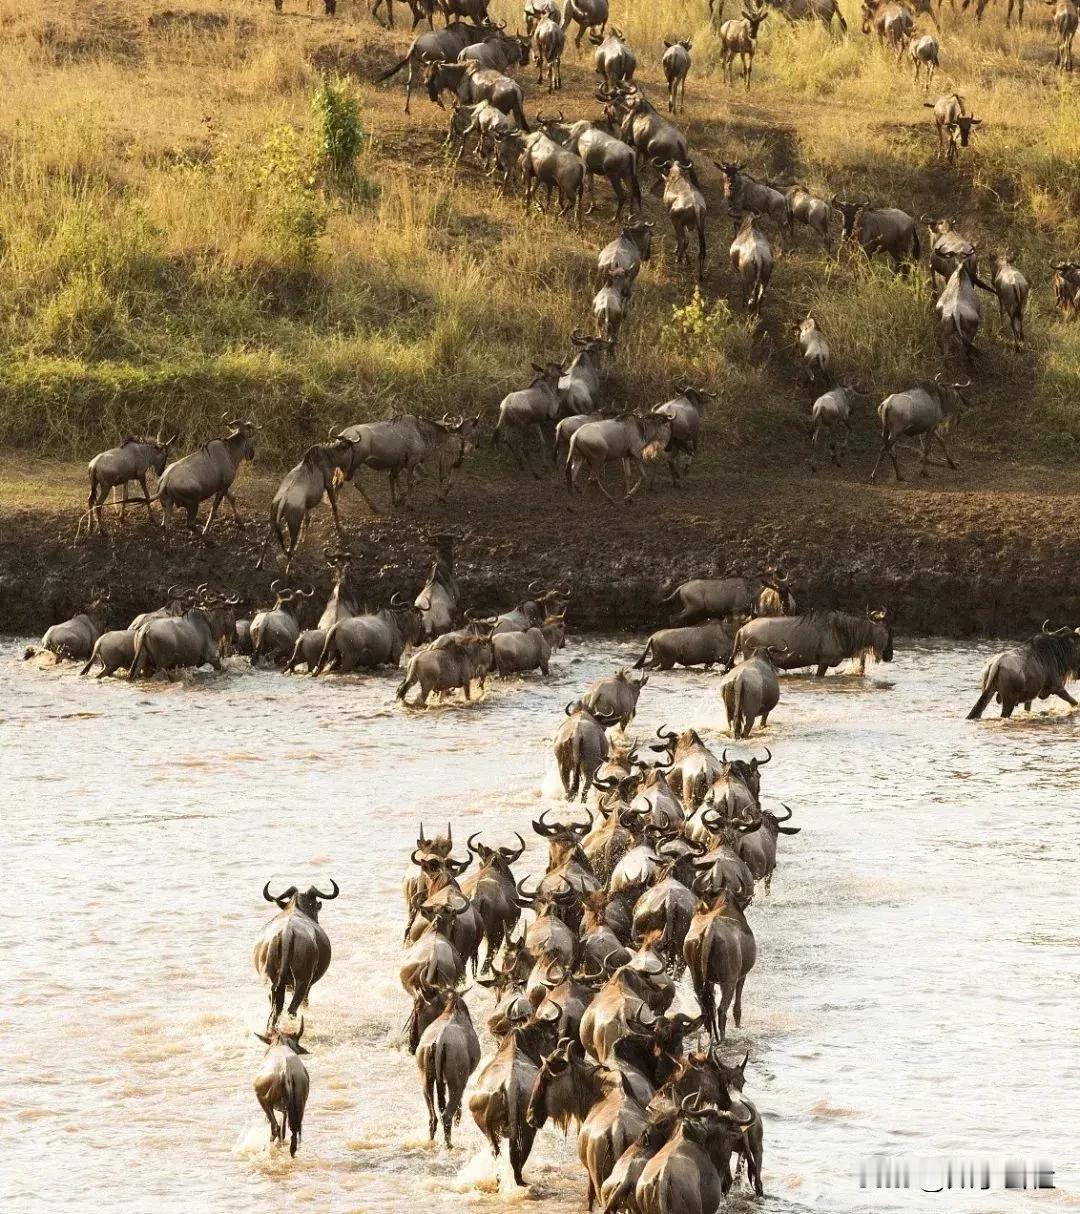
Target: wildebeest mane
[854,633]
[1058,655]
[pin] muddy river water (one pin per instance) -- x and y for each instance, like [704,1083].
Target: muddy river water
[915,993]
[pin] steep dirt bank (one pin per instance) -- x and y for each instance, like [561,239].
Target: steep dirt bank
[953,558]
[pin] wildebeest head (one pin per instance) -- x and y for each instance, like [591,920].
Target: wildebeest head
[549,374]
[960,130]
[409,619]
[849,212]
[307,903]
[499,858]
[244,431]
[755,17]
[436,845]
[562,832]
[685,43]
[429,1002]
[882,634]
[640,231]
[746,770]
[285,1037]
[562,1086]
[441,914]
[556,901]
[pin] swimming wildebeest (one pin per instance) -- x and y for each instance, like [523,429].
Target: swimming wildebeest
[275,631]
[196,638]
[764,593]
[75,638]
[613,699]
[293,952]
[1038,669]
[755,844]
[445,668]
[750,689]
[581,745]
[206,473]
[821,639]
[926,412]
[116,468]
[720,951]
[362,642]
[281,1084]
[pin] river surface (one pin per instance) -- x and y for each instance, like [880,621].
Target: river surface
[916,989]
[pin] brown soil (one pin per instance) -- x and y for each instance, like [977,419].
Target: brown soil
[988,551]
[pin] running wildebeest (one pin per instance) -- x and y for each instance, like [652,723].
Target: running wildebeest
[808,209]
[402,445]
[821,639]
[556,168]
[892,22]
[579,385]
[1011,289]
[814,346]
[629,438]
[959,313]
[604,155]
[953,124]
[685,205]
[448,1053]
[1037,669]
[614,60]
[948,250]
[832,411]
[116,469]
[720,951]
[627,251]
[530,410]
[696,645]
[752,260]
[745,194]
[549,42]
[676,64]
[1066,18]
[810,10]
[317,475]
[196,638]
[716,598]
[925,411]
[924,54]
[750,689]
[206,473]
[641,125]
[293,952]
[587,15]
[281,1084]
[1067,287]
[684,412]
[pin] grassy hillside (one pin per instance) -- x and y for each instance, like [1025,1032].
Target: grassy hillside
[171,246]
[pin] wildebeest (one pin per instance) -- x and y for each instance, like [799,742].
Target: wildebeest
[493,892]
[193,639]
[814,347]
[275,631]
[520,652]
[924,54]
[541,10]
[448,1053]
[432,957]
[317,476]
[641,124]
[627,251]
[604,155]
[613,699]
[549,42]
[720,951]
[743,193]
[206,473]
[114,650]
[75,638]
[752,260]
[821,639]
[555,167]
[755,844]
[875,230]
[684,412]
[421,10]
[831,412]
[696,645]
[1037,669]
[676,64]
[926,412]
[281,1084]
[361,642]
[579,385]
[953,124]
[1067,286]
[808,209]
[529,410]
[739,37]
[1011,288]
[693,766]
[685,205]
[485,122]
[339,606]
[750,690]
[949,249]
[403,444]
[444,669]
[472,84]
[498,51]
[614,60]
[293,952]
[809,10]
[587,15]
[609,307]
[1066,18]
[437,602]
[959,313]
[581,745]
[436,44]
[629,438]
[116,468]
[892,22]
[715,598]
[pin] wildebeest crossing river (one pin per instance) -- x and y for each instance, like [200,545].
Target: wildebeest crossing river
[918,956]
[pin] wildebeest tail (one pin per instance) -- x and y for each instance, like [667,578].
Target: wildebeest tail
[93,657]
[324,656]
[639,664]
[294,1111]
[405,683]
[139,660]
[989,690]
[635,185]
[840,18]
[440,1075]
[393,71]
[916,247]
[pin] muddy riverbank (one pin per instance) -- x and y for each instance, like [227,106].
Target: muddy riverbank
[952,559]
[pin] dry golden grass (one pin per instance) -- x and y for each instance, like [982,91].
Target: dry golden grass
[167,254]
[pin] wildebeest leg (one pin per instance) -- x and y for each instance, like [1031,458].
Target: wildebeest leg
[543,448]
[628,463]
[236,513]
[1062,694]
[268,1109]
[948,457]
[213,511]
[123,503]
[331,497]
[596,478]
[364,494]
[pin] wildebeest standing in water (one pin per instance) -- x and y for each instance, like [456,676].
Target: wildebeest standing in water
[1038,669]
[750,690]
[282,1083]
[581,745]
[293,952]
[448,1053]
[821,639]
[75,638]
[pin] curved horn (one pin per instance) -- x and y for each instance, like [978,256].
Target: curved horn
[523,895]
[786,816]
[762,762]
[511,856]
[469,842]
[328,897]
